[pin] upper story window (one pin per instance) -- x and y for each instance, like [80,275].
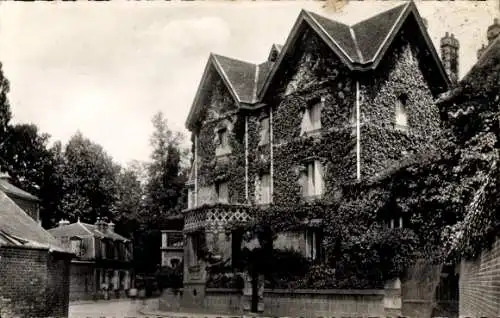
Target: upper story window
[396,223]
[222,192]
[264,131]
[222,142]
[401,120]
[311,121]
[312,244]
[263,189]
[312,179]
[76,246]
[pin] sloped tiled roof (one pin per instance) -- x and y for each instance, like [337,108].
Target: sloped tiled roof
[81,229]
[340,33]
[16,226]
[240,75]
[10,189]
[371,33]
[361,46]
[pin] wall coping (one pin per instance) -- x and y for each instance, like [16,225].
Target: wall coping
[223,290]
[376,292]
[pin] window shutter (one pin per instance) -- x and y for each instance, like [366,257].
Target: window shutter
[258,190]
[318,178]
[266,195]
[303,180]
[306,122]
[264,131]
[223,193]
[316,116]
[310,179]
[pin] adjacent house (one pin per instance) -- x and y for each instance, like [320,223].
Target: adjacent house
[335,104]
[34,266]
[103,258]
[479,277]
[26,201]
[172,243]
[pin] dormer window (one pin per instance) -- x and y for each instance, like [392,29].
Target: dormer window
[264,131]
[76,246]
[311,121]
[222,142]
[222,192]
[312,180]
[401,120]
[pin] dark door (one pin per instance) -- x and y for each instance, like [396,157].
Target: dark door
[255,293]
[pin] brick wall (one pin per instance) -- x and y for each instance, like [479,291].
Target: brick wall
[479,284]
[35,282]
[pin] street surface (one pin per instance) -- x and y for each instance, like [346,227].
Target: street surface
[112,309]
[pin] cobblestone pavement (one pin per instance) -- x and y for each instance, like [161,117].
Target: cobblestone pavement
[111,309]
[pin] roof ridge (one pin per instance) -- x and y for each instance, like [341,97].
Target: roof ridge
[407,4]
[356,44]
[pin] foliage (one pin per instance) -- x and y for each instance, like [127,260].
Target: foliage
[89,180]
[169,277]
[5,112]
[225,280]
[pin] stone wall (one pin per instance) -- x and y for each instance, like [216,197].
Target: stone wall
[287,303]
[480,284]
[82,282]
[35,282]
[324,303]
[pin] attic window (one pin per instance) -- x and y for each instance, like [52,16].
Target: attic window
[401,120]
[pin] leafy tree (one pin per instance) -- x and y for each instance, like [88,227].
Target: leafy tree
[89,180]
[129,204]
[5,114]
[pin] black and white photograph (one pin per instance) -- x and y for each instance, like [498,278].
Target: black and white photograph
[250,159]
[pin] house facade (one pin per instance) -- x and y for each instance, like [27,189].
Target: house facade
[34,266]
[334,105]
[103,258]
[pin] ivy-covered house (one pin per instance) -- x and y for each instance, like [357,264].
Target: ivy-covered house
[335,105]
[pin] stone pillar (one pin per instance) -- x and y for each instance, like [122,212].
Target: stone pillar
[247,292]
[392,298]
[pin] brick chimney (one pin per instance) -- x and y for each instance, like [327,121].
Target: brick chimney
[449,55]
[493,31]
[63,222]
[101,225]
[111,227]
[491,34]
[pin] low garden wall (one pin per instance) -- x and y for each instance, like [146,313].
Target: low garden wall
[306,303]
[324,303]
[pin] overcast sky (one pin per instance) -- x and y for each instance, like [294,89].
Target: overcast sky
[106,68]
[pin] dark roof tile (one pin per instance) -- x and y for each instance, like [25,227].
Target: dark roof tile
[19,226]
[241,76]
[371,33]
[340,33]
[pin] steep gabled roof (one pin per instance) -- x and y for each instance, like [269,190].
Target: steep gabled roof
[361,47]
[18,228]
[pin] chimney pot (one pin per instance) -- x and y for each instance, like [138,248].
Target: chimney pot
[449,55]
[111,227]
[63,222]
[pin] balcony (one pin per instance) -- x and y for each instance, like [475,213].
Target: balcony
[215,217]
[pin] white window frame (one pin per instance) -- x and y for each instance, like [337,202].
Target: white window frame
[308,125]
[223,147]
[314,181]
[401,113]
[218,187]
[311,244]
[264,132]
[261,190]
